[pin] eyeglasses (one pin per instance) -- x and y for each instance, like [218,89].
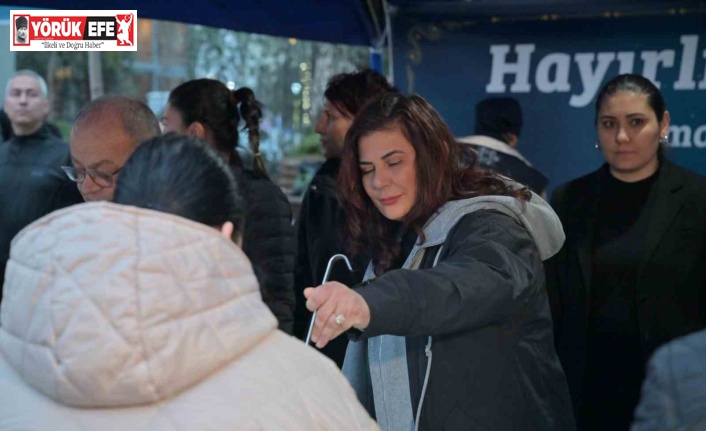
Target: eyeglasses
[100,178]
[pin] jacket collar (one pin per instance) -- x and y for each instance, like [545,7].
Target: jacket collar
[493,144]
[39,135]
[330,167]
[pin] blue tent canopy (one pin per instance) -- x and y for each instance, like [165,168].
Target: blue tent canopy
[485,8]
[339,21]
[355,22]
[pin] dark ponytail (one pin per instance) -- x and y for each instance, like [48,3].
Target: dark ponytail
[251,113]
[219,109]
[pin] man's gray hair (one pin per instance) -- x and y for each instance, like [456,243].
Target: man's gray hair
[139,122]
[30,73]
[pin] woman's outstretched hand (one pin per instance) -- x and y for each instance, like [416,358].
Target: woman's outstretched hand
[338,308]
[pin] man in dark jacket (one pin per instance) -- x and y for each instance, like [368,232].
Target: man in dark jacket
[31,180]
[6,127]
[497,132]
[321,220]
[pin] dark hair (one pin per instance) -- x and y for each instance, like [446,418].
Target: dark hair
[181,175]
[220,110]
[138,120]
[349,92]
[442,174]
[498,116]
[637,84]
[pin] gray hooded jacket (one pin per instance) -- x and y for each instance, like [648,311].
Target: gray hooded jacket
[491,277]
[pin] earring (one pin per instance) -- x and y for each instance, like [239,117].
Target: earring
[596,145]
[664,140]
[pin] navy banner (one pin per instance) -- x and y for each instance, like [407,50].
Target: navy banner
[555,68]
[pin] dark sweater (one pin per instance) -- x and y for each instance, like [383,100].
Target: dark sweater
[615,366]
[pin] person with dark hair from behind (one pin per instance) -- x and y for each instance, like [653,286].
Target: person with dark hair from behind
[497,134]
[31,181]
[452,329]
[321,219]
[146,315]
[631,275]
[207,109]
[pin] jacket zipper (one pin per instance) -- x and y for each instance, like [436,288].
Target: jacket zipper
[428,353]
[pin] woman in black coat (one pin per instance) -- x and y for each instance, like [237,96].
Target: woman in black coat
[631,274]
[207,109]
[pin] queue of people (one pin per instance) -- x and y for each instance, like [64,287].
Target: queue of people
[168,300]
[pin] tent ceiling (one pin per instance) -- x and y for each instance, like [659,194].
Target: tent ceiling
[336,21]
[479,8]
[345,21]
[467,8]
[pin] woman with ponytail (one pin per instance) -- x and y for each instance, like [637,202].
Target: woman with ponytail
[207,109]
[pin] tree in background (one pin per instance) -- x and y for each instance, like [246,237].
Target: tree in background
[288,75]
[66,74]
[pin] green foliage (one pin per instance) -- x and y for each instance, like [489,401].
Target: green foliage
[310,146]
[288,75]
[118,76]
[66,74]
[65,128]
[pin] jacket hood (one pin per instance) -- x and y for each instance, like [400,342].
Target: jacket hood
[535,215]
[108,305]
[493,144]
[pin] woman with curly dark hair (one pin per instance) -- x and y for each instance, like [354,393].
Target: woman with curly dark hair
[452,326]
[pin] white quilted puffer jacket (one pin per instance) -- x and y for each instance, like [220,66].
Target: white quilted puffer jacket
[119,318]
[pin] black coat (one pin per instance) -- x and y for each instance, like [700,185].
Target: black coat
[319,228]
[268,241]
[494,366]
[671,279]
[32,184]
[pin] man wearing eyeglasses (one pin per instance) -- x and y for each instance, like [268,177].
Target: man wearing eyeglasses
[31,181]
[104,135]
